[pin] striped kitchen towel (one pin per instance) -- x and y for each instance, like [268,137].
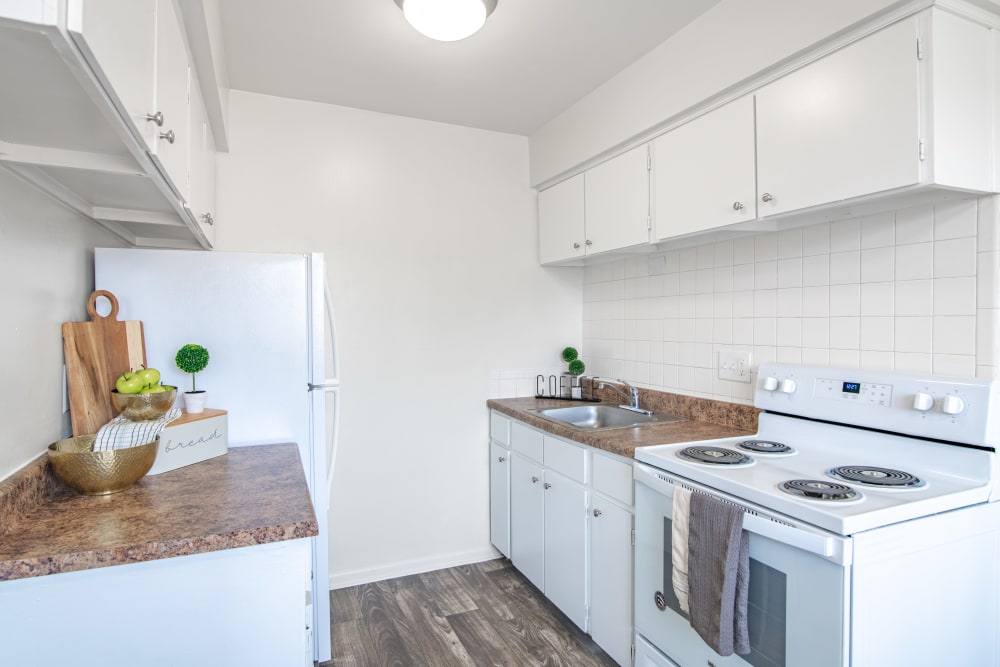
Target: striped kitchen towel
[121,432]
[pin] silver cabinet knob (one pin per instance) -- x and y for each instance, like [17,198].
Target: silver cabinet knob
[534,480]
[209,220]
[737,206]
[501,459]
[766,197]
[547,485]
[155,118]
[589,242]
[598,512]
[168,135]
[576,246]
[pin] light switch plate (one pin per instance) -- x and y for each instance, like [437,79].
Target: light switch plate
[734,365]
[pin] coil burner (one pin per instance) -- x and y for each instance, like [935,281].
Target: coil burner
[765,447]
[873,476]
[714,456]
[818,489]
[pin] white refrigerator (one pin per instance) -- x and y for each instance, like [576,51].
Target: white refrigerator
[267,322]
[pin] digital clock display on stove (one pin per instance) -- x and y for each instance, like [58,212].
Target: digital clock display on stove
[852,388]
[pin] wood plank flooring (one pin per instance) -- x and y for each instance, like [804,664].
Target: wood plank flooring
[481,614]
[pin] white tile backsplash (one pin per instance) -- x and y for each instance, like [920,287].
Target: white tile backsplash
[912,290]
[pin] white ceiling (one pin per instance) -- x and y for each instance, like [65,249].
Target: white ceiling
[532,60]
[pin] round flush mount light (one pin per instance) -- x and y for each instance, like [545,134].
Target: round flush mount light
[447,20]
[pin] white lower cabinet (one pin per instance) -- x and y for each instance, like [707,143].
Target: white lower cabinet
[611,577]
[500,498]
[565,552]
[527,519]
[568,514]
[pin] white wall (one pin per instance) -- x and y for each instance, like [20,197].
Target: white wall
[430,238]
[47,270]
[914,291]
[728,44]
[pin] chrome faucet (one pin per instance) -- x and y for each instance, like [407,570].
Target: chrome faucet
[632,396]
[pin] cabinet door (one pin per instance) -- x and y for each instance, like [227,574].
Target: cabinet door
[500,498]
[120,35]
[566,546]
[202,169]
[617,202]
[704,174]
[611,578]
[843,126]
[171,142]
[561,221]
[527,520]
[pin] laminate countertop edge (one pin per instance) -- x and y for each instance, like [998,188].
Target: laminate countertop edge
[250,496]
[704,419]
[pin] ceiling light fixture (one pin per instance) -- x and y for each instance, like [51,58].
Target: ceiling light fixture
[447,20]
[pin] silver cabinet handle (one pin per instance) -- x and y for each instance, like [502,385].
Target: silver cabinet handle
[501,459]
[575,246]
[589,242]
[155,118]
[534,480]
[209,220]
[547,485]
[168,135]
[598,512]
[766,197]
[737,206]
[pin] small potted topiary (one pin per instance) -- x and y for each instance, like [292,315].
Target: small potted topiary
[576,367]
[193,359]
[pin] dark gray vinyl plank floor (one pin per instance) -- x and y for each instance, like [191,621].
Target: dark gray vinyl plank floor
[481,614]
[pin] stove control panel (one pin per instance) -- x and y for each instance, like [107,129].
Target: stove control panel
[879,395]
[965,410]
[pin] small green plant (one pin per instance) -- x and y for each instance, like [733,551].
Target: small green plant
[569,354]
[577,367]
[192,359]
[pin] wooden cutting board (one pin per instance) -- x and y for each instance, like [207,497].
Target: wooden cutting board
[97,352]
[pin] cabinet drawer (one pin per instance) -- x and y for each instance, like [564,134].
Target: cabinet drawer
[500,428]
[612,477]
[565,458]
[526,440]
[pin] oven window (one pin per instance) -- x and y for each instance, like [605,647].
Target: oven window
[765,606]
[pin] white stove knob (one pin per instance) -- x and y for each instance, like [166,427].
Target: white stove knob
[770,384]
[788,386]
[923,402]
[952,405]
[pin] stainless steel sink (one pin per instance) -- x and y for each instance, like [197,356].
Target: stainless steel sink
[600,417]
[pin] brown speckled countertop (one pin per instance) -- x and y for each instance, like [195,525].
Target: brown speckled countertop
[252,495]
[705,419]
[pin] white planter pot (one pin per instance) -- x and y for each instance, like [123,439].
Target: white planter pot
[194,401]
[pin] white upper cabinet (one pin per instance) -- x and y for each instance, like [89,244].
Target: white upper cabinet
[907,106]
[844,126]
[703,173]
[616,202]
[202,166]
[172,141]
[96,90]
[561,224]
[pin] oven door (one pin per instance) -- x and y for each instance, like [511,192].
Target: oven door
[799,597]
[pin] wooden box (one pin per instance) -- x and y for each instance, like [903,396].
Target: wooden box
[192,438]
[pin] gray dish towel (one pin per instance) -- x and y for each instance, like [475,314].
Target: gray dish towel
[718,574]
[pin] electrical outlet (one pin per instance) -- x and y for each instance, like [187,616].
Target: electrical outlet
[734,365]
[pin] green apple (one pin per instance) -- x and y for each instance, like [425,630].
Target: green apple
[149,376]
[129,383]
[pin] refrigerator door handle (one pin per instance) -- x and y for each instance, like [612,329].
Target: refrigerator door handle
[323,386]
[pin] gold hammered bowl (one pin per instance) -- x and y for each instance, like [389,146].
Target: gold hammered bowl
[144,407]
[75,462]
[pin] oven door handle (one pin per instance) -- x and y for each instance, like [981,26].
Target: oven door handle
[820,545]
[755,520]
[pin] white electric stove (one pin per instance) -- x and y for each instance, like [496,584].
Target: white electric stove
[870,502]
